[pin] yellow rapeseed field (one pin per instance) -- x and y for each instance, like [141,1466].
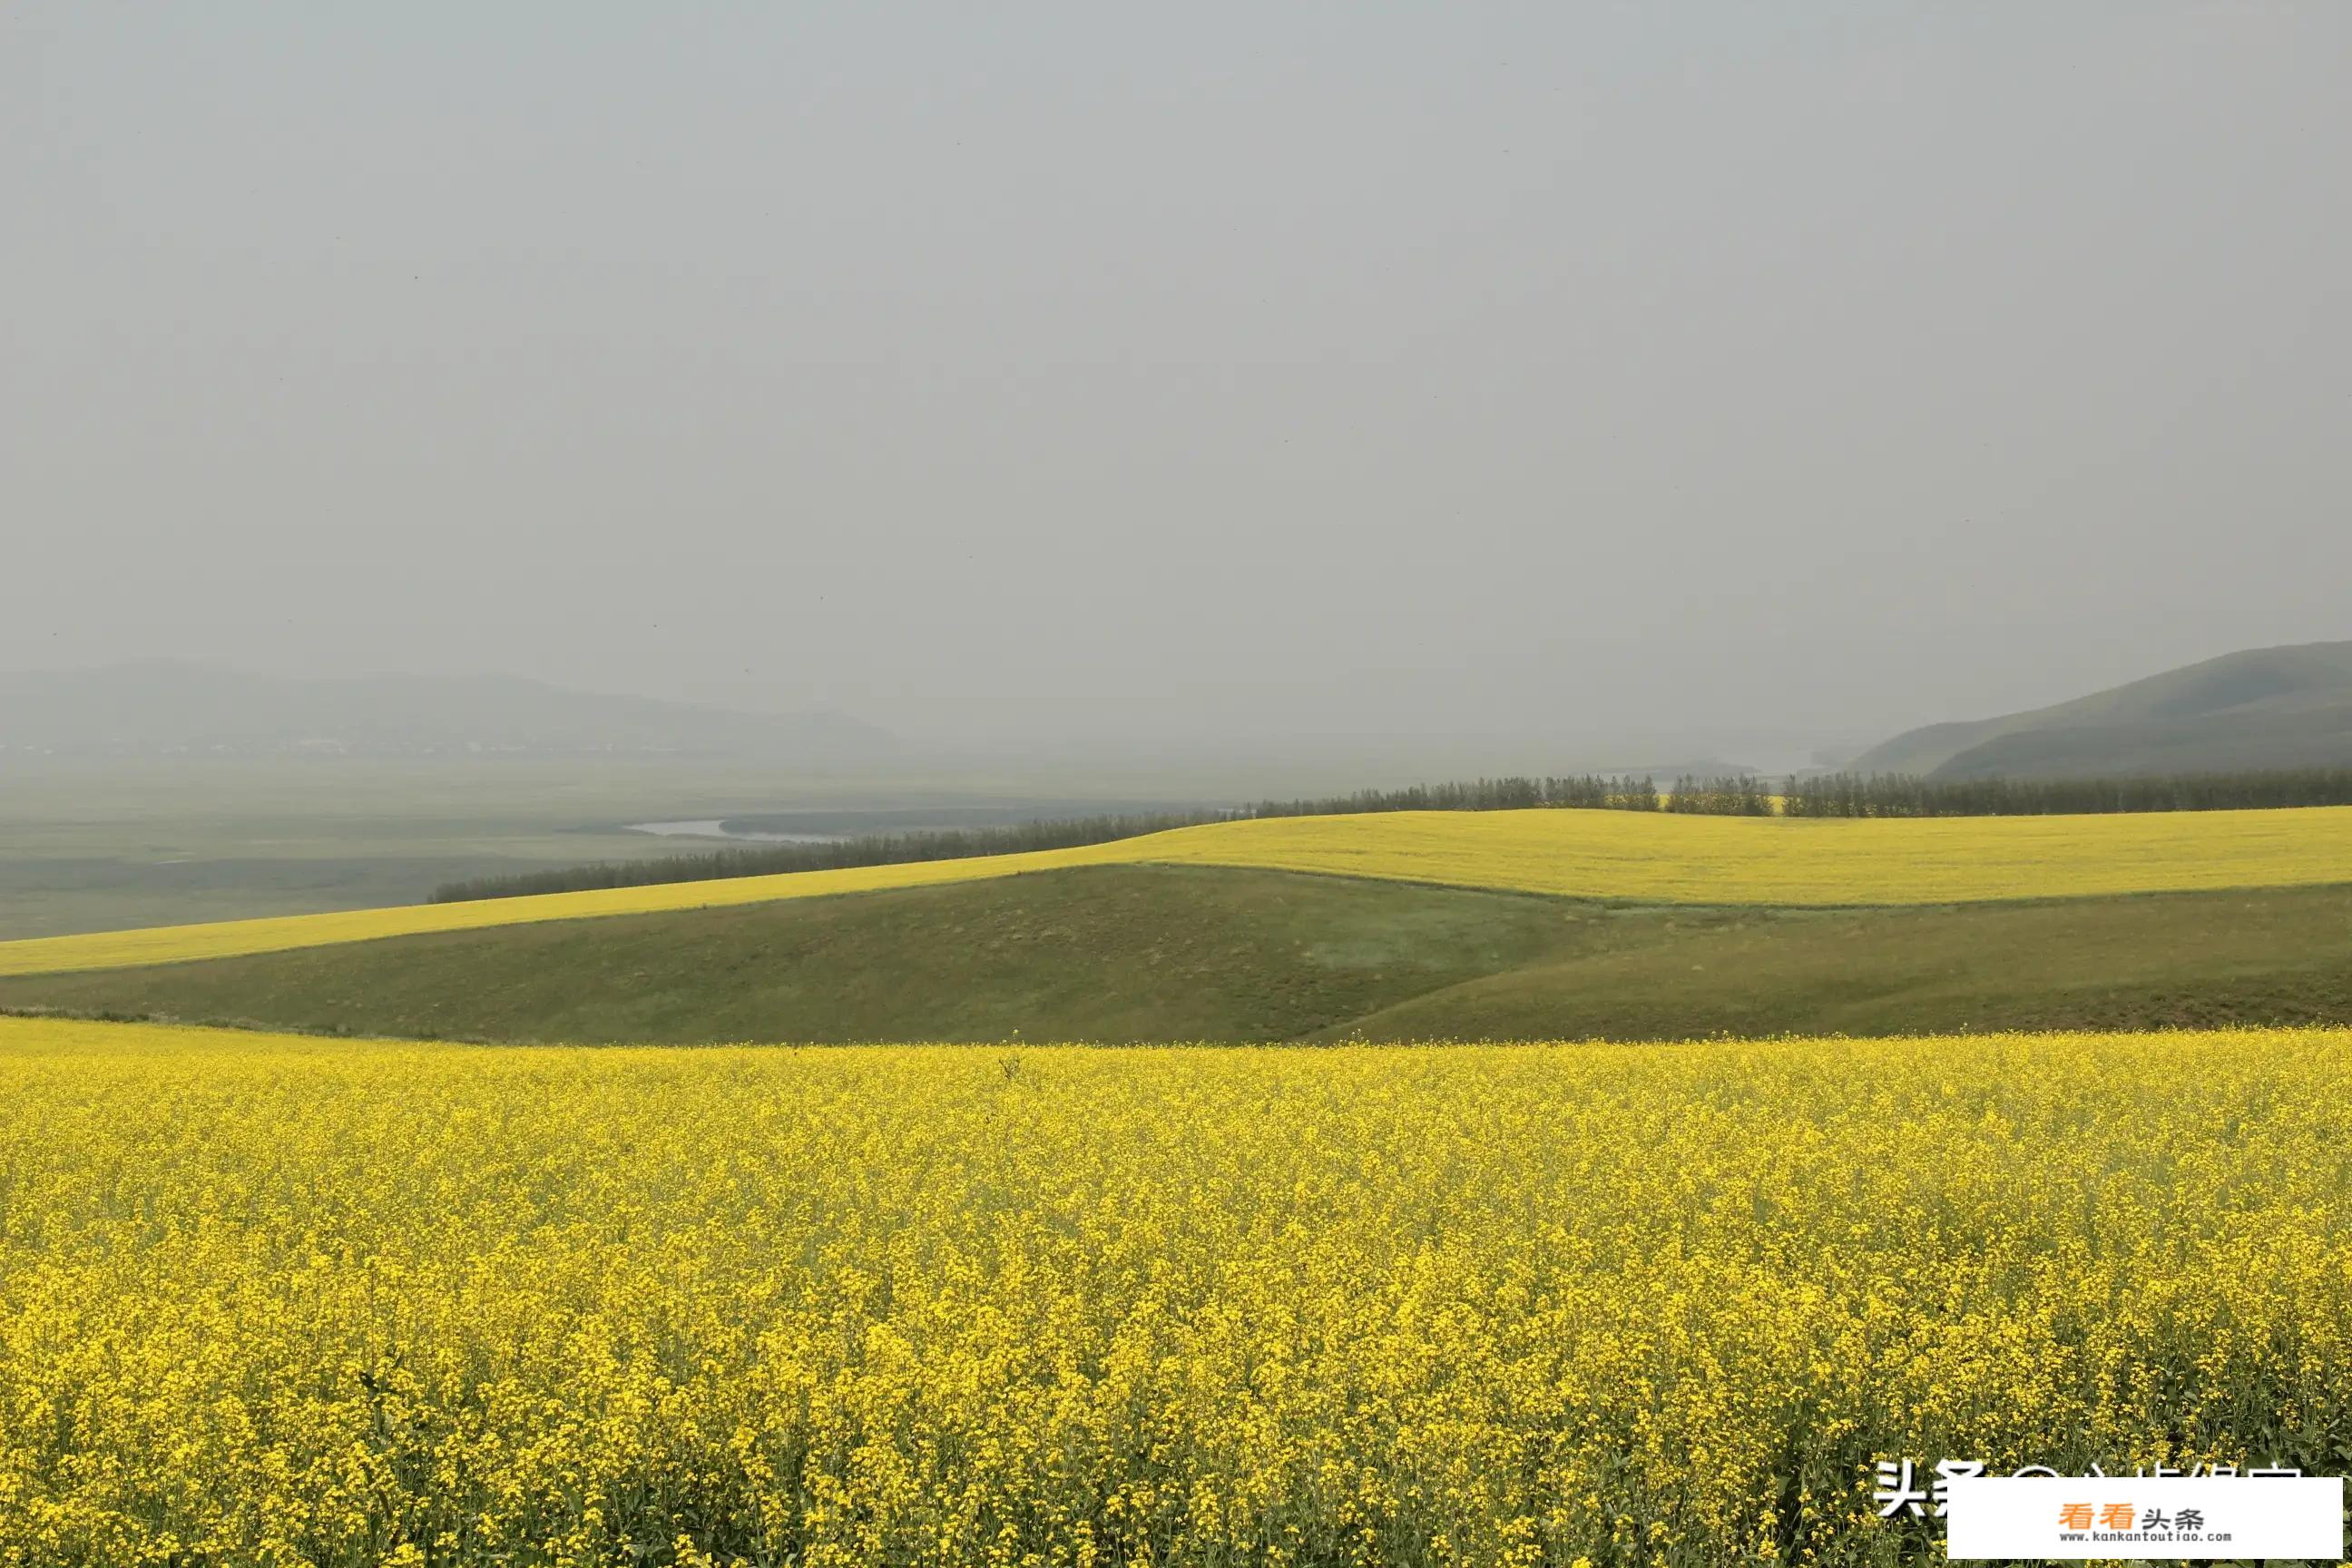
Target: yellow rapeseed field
[1669,858]
[280,1301]
[1585,854]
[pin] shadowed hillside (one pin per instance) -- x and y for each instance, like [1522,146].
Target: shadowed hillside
[2264,708]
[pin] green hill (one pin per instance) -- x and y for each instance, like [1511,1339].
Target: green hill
[1132,953]
[2263,708]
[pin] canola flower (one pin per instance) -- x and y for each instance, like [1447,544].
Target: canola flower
[269,1301]
[1660,859]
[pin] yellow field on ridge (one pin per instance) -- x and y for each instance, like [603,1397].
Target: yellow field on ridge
[272,1301]
[1583,854]
[1668,858]
[224,939]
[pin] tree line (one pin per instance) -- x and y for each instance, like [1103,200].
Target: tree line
[1063,832]
[833,854]
[1515,793]
[1904,795]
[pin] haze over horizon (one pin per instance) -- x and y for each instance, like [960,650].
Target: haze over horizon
[1249,377]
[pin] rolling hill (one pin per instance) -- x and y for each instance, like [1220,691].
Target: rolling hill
[2263,708]
[1169,953]
[1628,856]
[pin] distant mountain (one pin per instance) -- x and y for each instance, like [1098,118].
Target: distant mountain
[2264,708]
[163,706]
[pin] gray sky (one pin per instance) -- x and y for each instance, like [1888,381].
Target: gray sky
[1255,372]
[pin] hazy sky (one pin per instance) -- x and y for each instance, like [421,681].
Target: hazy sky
[1207,369]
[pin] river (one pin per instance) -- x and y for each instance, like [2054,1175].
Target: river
[716,827]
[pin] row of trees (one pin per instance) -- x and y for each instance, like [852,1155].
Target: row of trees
[1733,795]
[1902,794]
[1517,793]
[866,849]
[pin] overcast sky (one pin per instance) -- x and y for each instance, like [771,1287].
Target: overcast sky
[1218,370]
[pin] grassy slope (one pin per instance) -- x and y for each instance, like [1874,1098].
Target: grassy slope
[2280,955]
[1169,953]
[1120,952]
[1589,853]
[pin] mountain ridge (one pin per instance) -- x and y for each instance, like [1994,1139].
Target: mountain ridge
[2285,707]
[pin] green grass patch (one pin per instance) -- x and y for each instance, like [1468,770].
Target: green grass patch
[1136,953]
